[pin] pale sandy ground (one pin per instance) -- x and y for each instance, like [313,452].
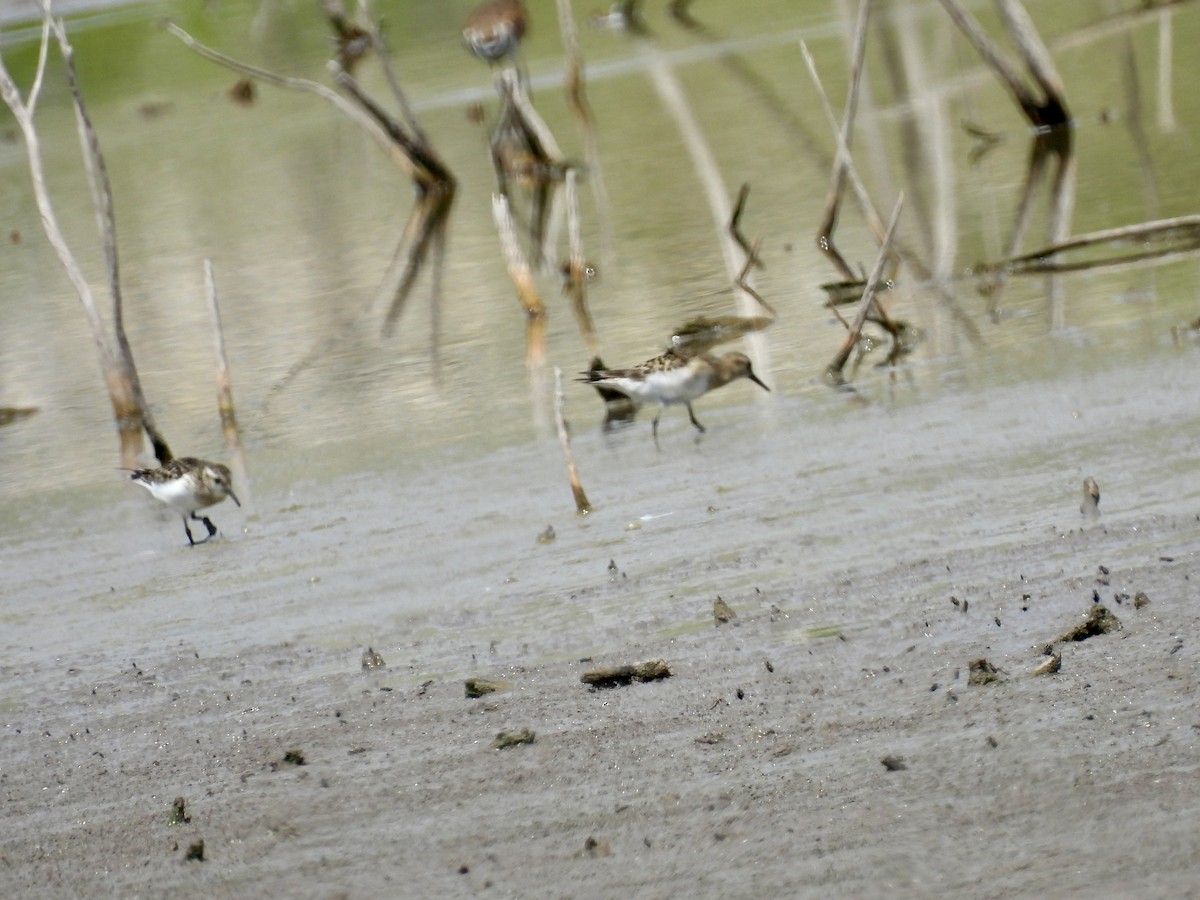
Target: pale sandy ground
[136,670]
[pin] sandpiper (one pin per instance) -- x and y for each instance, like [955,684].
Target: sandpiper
[494,30]
[188,484]
[675,378]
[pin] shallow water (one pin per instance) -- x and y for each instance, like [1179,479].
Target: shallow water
[300,215]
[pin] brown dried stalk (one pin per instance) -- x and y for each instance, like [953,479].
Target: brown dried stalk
[577,97]
[834,371]
[833,196]
[582,506]
[1050,107]
[577,268]
[522,279]
[120,374]
[229,424]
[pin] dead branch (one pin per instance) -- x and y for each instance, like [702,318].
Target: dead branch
[523,148]
[577,97]
[735,231]
[426,225]
[102,202]
[225,407]
[834,371]
[522,279]
[1050,109]
[833,196]
[577,268]
[614,676]
[1171,237]
[409,149]
[851,287]
[116,376]
[357,116]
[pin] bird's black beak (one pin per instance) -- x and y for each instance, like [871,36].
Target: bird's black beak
[757,381]
[234,498]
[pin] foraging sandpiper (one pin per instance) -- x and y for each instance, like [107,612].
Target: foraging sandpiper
[188,484]
[675,378]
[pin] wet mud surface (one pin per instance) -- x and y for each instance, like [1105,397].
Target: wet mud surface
[823,740]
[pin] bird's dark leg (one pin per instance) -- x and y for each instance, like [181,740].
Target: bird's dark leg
[188,532]
[692,416]
[212,529]
[654,428]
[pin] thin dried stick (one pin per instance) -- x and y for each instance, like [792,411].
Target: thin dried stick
[1050,110]
[102,202]
[576,267]
[522,279]
[229,424]
[833,196]
[735,231]
[1183,229]
[389,72]
[352,112]
[867,208]
[582,506]
[834,371]
[577,95]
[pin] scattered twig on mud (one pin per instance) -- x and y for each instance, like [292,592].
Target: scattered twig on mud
[582,506]
[650,670]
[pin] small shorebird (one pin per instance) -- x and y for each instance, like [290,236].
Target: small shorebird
[494,30]
[188,484]
[675,378]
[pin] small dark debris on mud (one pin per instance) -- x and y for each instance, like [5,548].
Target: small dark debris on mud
[893,763]
[481,687]
[723,612]
[1099,621]
[1140,600]
[293,758]
[195,852]
[506,739]
[597,847]
[372,660]
[1090,507]
[179,814]
[982,672]
[1050,665]
[651,670]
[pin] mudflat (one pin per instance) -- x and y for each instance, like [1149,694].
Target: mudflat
[826,740]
